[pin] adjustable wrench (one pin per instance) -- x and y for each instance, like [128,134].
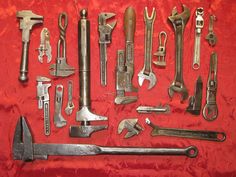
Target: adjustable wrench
[161,52]
[59,121]
[179,21]
[70,105]
[146,72]
[27,20]
[210,110]
[211,36]
[199,26]
[43,101]
[105,31]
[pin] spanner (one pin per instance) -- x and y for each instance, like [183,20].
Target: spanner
[146,73]
[70,105]
[193,134]
[211,36]
[210,110]
[199,25]
[179,21]
[59,121]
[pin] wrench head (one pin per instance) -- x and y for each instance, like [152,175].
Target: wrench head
[84,114]
[177,18]
[125,99]
[210,112]
[59,121]
[178,88]
[151,77]
[69,108]
[132,127]
[105,16]
[61,68]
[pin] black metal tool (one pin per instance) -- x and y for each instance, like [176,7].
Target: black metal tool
[195,102]
[84,114]
[194,134]
[25,149]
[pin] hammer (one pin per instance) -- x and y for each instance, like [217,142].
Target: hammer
[27,20]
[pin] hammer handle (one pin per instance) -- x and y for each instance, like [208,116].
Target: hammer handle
[129,24]
[24,62]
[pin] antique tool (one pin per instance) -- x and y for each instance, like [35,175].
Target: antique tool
[193,134]
[105,30]
[179,22]
[211,36]
[132,127]
[27,20]
[195,102]
[122,79]
[26,150]
[161,52]
[157,109]
[70,105]
[125,61]
[146,73]
[210,110]
[59,120]
[199,25]
[84,114]
[61,68]
[43,101]
[45,47]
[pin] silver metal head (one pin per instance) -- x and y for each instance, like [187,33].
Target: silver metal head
[132,127]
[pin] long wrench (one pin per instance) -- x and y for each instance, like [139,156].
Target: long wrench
[198,30]
[194,134]
[146,73]
[59,121]
[70,105]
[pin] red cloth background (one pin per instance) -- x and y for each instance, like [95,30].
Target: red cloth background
[214,159]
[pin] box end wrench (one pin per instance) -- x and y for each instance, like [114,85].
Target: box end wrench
[179,21]
[146,73]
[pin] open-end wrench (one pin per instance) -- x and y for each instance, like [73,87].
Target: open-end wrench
[194,134]
[105,30]
[179,21]
[70,105]
[210,110]
[211,36]
[146,73]
[199,25]
[59,121]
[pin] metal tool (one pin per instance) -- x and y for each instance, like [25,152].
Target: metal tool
[122,80]
[210,110]
[45,47]
[61,68]
[43,101]
[26,150]
[105,30]
[70,105]
[195,102]
[59,120]
[125,61]
[193,134]
[157,109]
[211,36]
[132,127]
[84,114]
[27,20]
[199,26]
[146,73]
[179,22]
[161,52]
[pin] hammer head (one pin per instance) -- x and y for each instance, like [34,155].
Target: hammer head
[179,19]
[28,19]
[22,142]
[132,127]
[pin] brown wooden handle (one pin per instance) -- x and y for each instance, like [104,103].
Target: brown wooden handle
[129,24]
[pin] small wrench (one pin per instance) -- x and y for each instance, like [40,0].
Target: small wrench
[197,48]
[210,110]
[59,121]
[146,73]
[157,109]
[161,52]
[70,104]
[194,134]
[211,36]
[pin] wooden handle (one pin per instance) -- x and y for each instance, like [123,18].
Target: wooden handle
[129,24]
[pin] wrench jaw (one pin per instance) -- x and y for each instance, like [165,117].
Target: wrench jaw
[182,90]
[125,99]
[59,121]
[61,68]
[132,127]
[183,17]
[151,78]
